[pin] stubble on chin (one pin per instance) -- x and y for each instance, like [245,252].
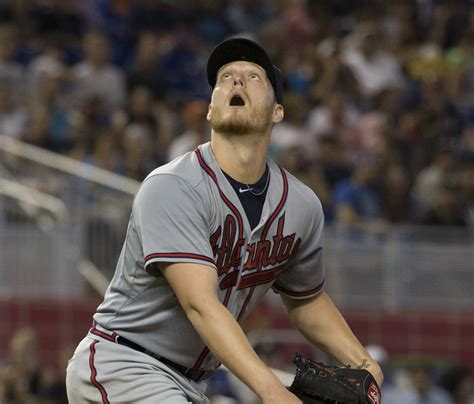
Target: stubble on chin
[256,121]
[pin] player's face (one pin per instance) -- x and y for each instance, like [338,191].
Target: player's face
[243,100]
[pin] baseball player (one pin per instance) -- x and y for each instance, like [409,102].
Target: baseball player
[209,234]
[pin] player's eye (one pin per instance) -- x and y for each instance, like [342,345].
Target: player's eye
[226,76]
[254,76]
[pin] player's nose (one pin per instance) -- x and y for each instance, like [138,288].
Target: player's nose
[238,80]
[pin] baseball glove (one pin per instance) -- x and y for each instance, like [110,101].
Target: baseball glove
[317,383]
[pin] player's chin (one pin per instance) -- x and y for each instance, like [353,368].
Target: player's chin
[234,128]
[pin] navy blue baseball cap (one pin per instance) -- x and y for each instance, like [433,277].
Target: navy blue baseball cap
[235,49]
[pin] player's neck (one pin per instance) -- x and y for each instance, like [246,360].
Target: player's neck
[242,157]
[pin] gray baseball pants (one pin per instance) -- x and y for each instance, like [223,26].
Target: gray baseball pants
[101,371]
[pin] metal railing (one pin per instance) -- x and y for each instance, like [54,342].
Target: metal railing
[68,165]
[33,198]
[410,266]
[61,222]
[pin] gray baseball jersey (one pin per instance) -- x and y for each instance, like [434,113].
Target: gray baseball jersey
[187,211]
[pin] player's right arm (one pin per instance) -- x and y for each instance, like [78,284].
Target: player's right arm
[196,289]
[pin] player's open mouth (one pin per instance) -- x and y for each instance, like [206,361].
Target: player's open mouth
[237,101]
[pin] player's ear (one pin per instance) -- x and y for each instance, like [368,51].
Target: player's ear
[278,113]
[208,116]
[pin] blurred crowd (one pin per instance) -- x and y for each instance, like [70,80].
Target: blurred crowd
[378,95]
[25,379]
[378,101]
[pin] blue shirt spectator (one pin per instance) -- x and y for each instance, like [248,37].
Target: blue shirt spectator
[357,196]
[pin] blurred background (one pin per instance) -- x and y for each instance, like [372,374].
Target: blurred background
[379,109]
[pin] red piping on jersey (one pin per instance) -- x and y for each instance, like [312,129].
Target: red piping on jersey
[111,337]
[103,393]
[231,206]
[279,207]
[238,216]
[179,255]
[266,228]
[299,294]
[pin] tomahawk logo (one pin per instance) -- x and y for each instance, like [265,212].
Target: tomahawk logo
[373,394]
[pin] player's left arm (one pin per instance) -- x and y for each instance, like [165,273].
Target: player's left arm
[321,323]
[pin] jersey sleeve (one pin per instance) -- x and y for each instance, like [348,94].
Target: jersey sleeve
[304,277]
[172,222]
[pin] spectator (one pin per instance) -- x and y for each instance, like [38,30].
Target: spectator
[300,70]
[458,381]
[50,95]
[150,118]
[139,111]
[115,20]
[24,379]
[196,129]
[467,141]
[395,198]
[295,160]
[38,127]
[430,182]
[145,67]
[421,389]
[464,176]
[158,15]
[12,119]
[212,24]
[337,116]
[293,132]
[249,15]
[373,139]
[95,77]
[45,18]
[403,31]
[55,392]
[332,159]
[139,152]
[183,64]
[374,67]
[437,119]
[106,153]
[450,20]
[460,74]
[271,36]
[448,209]
[334,76]
[11,72]
[298,25]
[356,203]
[48,64]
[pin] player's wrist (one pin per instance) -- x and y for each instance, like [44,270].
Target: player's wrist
[376,371]
[280,396]
[270,388]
